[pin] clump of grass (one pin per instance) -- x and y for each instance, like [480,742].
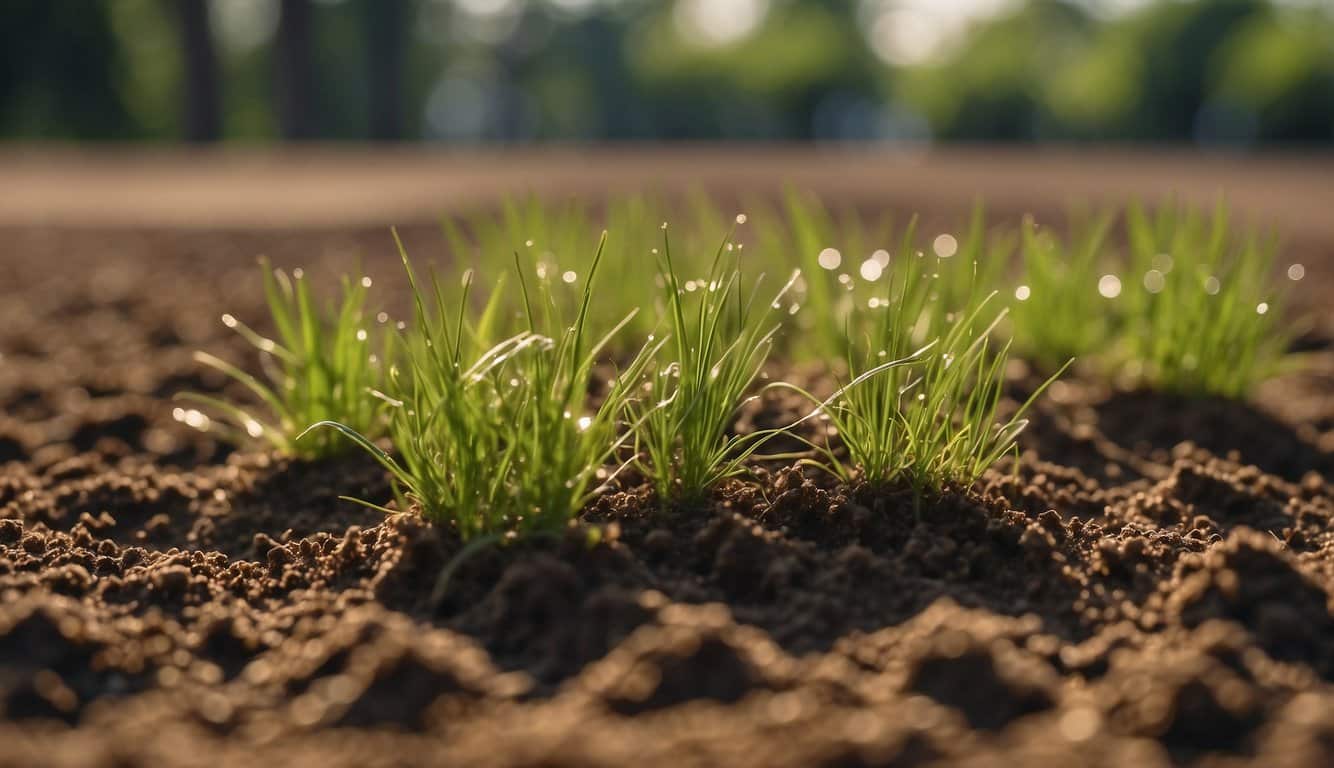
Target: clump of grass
[1057,312]
[321,366]
[1202,310]
[1193,308]
[498,439]
[930,417]
[720,339]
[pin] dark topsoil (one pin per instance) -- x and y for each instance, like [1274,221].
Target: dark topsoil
[1153,587]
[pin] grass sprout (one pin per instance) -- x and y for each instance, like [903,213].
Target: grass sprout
[931,418]
[1058,312]
[1192,307]
[720,339]
[1203,314]
[498,439]
[322,365]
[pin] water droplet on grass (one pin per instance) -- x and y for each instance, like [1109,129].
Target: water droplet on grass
[1109,286]
[1154,281]
[366,282]
[741,218]
[1262,308]
[881,257]
[1212,286]
[871,269]
[569,276]
[361,335]
[1296,272]
[829,258]
[945,246]
[1022,293]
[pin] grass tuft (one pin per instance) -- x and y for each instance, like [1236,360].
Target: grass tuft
[498,439]
[1192,308]
[321,366]
[720,339]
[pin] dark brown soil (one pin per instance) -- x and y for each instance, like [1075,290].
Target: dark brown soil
[1151,587]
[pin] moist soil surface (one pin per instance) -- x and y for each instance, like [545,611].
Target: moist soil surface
[1151,585]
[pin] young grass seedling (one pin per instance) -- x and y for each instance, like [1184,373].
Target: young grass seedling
[932,419]
[498,440]
[320,367]
[1202,314]
[721,340]
[1061,308]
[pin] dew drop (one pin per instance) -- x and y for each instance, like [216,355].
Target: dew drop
[366,282]
[741,218]
[1154,281]
[881,257]
[229,321]
[382,317]
[1212,286]
[871,269]
[1109,286]
[298,273]
[361,334]
[1296,272]
[830,258]
[1262,308]
[1022,293]
[945,246]
[585,422]
[569,276]
[528,243]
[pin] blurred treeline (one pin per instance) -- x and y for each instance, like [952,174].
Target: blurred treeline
[1228,71]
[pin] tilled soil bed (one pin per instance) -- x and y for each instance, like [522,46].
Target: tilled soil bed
[1152,586]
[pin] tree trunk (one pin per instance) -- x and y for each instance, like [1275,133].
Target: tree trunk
[203,99]
[295,78]
[385,44]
